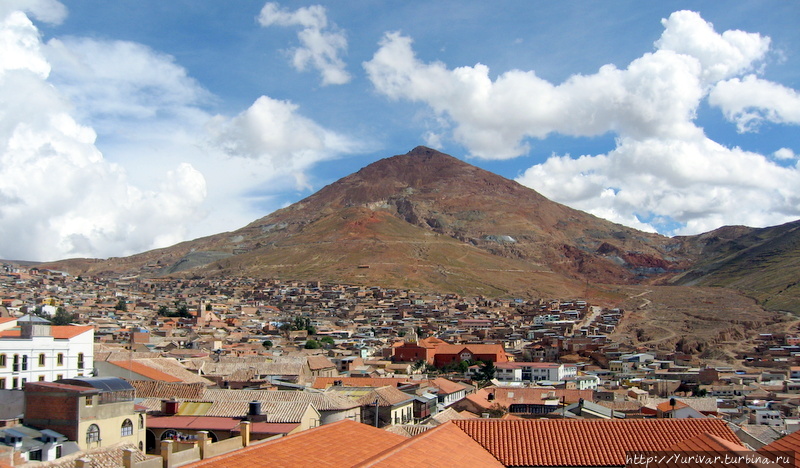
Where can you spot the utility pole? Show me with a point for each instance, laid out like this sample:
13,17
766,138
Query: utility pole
376,412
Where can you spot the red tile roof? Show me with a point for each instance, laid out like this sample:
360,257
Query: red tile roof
445,446
560,442
445,386
145,371
63,332
789,443
480,349
708,443
666,407
341,444
59,332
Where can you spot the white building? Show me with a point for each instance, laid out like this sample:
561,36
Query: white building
533,371
31,349
767,418
540,320
587,382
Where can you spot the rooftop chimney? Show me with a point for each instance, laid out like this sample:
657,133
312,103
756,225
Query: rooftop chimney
170,407
255,413
255,408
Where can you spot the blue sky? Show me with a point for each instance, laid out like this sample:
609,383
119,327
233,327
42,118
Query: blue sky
131,125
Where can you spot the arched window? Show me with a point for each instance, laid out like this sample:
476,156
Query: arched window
141,421
127,428
93,434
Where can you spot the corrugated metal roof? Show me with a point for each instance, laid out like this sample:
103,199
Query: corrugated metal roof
194,408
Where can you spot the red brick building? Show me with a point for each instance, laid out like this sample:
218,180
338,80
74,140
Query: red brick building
439,353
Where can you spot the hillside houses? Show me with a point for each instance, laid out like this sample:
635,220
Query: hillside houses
287,357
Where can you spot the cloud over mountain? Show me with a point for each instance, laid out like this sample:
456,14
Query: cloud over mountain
61,196
664,173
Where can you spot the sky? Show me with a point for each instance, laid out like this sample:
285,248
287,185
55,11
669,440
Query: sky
137,124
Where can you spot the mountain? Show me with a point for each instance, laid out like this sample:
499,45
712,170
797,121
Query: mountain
425,220
760,263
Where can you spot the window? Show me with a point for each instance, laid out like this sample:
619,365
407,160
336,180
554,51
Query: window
24,362
80,360
41,360
3,360
141,422
89,400
127,428
41,378
35,455
60,359
2,384
59,376
15,365
93,434
15,382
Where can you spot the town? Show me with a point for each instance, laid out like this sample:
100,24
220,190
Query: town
142,372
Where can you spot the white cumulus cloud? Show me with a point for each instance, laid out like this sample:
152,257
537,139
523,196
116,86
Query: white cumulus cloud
750,101
785,154
321,43
157,178
664,173
275,133
60,196
48,11
720,55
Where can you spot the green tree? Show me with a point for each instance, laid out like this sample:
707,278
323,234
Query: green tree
313,344
122,305
267,344
62,317
486,371
327,340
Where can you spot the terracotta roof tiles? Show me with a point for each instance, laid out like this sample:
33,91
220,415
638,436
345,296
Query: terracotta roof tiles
445,446
667,406
386,396
708,443
320,362
548,442
64,332
788,443
446,386
145,371
328,446
156,389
